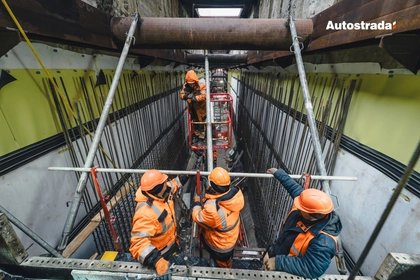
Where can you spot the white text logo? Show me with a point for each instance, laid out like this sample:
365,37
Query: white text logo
361,25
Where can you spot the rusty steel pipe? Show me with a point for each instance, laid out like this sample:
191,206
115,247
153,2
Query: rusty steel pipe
211,33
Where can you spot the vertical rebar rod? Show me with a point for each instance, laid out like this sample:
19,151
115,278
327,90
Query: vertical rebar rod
97,138
308,106
208,116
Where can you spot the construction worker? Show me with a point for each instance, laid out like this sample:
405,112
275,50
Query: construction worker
153,236
194,92
307,240
218,217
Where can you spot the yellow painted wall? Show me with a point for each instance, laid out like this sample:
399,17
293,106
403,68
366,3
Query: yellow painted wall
28,113
384,113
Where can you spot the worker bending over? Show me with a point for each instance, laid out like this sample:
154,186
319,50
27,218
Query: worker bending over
153,236
218,217
307,240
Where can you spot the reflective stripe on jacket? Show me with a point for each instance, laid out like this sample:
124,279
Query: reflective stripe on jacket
199,91
219,218
154,224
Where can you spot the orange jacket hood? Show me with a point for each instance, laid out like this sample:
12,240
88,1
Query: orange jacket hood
191,76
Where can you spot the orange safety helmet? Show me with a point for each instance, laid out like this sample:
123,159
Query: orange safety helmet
219,177
151,179
314,201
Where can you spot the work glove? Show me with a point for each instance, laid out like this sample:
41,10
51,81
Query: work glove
196,201
162,266
192,97
183,179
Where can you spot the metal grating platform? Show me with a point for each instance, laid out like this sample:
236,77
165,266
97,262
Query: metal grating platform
396,263
94,269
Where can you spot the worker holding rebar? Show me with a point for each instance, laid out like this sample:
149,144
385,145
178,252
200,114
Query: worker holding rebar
307,240
153,235
218,217
194,92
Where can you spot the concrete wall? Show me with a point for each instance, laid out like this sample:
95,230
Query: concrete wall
361,206
300,8
170,8
146,8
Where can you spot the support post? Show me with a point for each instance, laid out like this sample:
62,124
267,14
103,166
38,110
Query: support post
314,132
96,139
309,109
209,116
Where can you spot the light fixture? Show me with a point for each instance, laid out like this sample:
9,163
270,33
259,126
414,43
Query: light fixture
219,12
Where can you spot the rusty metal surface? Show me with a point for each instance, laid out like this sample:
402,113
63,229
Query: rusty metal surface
9,39
404,13
77,22
11,249
208,33
404,48
396,263
73,23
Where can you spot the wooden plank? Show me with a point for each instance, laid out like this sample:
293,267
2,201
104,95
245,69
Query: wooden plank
87,231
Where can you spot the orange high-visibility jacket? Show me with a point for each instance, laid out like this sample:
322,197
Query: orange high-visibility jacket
154,224
219,219
199,91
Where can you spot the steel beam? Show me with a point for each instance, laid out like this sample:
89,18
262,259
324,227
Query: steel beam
218,58
98,269
210,33
74,23
403,13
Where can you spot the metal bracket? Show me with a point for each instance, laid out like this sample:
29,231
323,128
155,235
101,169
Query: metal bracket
11,249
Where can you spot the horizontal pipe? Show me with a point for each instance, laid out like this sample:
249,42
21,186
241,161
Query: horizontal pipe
179,172
211,33
218,58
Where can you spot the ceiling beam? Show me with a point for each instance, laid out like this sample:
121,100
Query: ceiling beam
82,25
403,13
